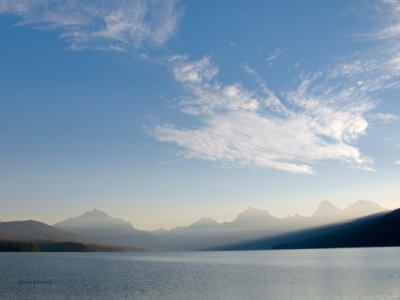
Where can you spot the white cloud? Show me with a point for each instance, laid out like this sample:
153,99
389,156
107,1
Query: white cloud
106,25
319,120
392,28
194,72
397,162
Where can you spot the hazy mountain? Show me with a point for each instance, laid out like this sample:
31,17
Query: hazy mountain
249,224
203,224
37,231
206,232
192,237
327,210
95,218
100,226
253,214
363,208
254,223
252,219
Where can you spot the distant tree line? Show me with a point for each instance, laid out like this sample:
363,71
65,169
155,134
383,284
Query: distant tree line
14,246
10,246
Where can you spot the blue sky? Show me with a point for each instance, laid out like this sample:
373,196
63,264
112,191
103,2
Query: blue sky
161,112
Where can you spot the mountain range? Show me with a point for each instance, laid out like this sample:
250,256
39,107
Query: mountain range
254,223
97,227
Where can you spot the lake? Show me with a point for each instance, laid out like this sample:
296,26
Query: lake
357,273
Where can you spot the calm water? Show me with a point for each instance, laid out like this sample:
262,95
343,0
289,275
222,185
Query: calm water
372,273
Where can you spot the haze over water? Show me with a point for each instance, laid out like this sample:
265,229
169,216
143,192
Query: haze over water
357,273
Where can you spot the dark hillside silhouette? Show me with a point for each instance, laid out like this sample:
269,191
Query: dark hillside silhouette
367,232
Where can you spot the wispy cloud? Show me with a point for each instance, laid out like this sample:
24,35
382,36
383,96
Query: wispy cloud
106,25
319,120
397,162
192,72
244,127
277,52
271,100
386,118
390,27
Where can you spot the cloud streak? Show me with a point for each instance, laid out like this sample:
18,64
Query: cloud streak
103,25
246,128
392,30
319,120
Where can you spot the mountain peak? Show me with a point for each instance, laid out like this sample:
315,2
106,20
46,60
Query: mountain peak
363,207
326,203
326,209
252,212
204,223
362,202
95,213
93,218
252,219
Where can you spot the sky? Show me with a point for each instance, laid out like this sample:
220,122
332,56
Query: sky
163,112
